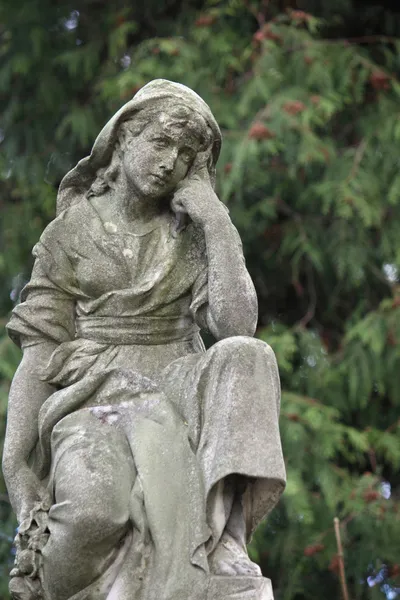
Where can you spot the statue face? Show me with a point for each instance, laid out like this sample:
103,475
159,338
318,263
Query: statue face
158,158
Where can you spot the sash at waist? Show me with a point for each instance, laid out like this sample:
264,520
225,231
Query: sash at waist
145,330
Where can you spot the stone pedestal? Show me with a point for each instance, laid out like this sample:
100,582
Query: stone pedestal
239,588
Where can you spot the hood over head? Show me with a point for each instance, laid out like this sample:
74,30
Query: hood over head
77,182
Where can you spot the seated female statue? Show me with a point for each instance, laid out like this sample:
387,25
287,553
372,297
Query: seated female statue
137,462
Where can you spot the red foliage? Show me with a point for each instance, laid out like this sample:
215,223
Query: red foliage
311,550
266,33
130,92
325,153
259,131
277,165
298,287
308,60
315,99
379,80
326,339
273,234
371,496
294,107
205,21
394,570
396,302
270,35
334,564
259,36
293,417
391,339
228,168
300,16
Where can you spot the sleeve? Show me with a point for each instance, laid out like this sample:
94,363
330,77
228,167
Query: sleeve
47,309
199,301
200,298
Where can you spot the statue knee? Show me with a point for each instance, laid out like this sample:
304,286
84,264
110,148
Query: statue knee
91,520
252,358
240,348
93,524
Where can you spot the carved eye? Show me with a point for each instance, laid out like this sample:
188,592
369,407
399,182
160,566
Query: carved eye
160,142
186,155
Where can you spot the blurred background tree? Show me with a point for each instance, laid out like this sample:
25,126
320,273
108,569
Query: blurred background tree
307,95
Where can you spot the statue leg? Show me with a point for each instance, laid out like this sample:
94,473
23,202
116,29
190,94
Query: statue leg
174,502
230,399
225,510
93,475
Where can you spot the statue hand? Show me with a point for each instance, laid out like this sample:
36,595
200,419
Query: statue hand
28,494
31,502
195,197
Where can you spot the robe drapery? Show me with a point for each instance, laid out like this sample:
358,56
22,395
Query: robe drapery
123,310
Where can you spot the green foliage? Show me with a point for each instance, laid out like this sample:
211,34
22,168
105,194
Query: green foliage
9,358
308,106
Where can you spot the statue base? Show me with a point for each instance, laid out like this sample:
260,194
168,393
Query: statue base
239,588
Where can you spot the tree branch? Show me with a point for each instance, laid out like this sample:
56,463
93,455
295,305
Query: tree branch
341,559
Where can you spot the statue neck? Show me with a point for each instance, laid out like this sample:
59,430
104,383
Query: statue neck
132,207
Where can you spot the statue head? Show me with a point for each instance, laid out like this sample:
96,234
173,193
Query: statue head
164,123
155,150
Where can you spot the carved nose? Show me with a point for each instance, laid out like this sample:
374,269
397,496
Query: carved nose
168,163
167,168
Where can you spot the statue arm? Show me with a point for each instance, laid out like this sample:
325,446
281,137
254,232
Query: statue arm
39,324
27,395
232,301
231,307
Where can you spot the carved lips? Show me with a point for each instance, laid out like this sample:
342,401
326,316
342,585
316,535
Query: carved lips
160,179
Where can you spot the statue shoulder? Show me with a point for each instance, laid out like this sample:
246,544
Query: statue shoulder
67,227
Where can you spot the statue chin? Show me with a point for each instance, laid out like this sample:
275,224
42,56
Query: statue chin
160,457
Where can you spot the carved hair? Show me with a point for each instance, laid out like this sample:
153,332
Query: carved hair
178,115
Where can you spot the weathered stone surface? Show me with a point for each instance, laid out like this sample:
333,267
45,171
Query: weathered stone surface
139,463
240,588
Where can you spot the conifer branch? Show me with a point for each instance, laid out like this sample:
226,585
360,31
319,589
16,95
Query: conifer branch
313,298
357,159
372,459
353,41
260,13
393,426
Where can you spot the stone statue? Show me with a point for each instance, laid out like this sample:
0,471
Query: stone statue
137,462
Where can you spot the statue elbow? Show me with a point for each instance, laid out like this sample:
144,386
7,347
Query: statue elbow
232,325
